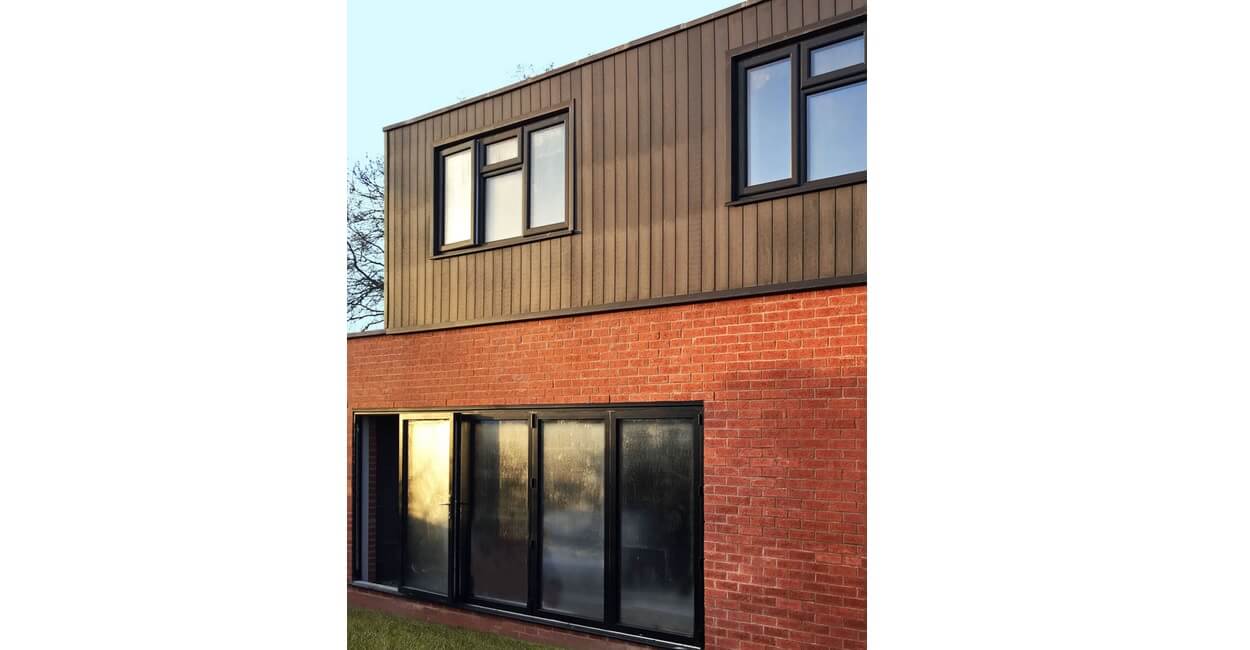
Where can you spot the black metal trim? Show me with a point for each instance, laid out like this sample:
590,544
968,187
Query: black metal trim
664,301
463,499
485,409
355,504
612,536
533,483
502,243
830,183
575,627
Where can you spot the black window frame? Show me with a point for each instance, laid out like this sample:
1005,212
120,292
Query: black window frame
440,162
466,497
527,131
520,129
458,595
798,50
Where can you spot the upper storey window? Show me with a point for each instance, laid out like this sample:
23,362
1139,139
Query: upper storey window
800,110
504,186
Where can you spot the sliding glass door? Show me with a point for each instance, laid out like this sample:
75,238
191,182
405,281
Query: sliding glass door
657,507
427,504
589,516
498,551
573,527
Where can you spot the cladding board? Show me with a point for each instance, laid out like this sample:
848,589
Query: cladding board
651,184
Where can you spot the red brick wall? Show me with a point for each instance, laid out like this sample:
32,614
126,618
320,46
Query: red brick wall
783,382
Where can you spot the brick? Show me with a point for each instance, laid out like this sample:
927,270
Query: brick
783,381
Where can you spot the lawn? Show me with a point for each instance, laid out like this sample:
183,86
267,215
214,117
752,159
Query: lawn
369,630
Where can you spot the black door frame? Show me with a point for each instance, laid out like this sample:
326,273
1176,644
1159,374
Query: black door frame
460,506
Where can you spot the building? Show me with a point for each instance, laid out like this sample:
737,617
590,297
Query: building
620,395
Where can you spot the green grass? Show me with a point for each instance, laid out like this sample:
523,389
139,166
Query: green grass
370,630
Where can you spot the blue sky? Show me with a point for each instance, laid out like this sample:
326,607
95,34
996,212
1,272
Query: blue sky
407,58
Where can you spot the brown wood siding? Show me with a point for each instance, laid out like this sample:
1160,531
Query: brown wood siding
651,183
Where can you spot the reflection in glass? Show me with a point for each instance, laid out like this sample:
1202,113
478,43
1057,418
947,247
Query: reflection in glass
502,150
503,206
768,122
837,140
657,535
499,535
572,513
457,196
837,56
429,491
547,176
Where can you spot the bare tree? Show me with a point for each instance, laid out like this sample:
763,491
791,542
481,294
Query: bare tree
366,183
366,196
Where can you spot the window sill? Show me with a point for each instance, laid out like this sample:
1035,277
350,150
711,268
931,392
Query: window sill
813,186
373,586
503,243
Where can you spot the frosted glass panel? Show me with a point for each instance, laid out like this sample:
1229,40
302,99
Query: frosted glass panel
768,122
429,491
502,150
837,56
547,176
503,206
837,140
499,536
573,496
657,534
457,196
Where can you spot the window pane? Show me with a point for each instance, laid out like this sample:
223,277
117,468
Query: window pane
503,206
573,475
657,533
502,150
768,122
499,535
838,55
836,131
429,491
457,196
547,176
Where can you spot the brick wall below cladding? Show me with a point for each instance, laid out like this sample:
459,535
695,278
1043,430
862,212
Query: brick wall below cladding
782,379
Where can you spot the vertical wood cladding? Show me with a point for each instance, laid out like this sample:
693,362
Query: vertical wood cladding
651,179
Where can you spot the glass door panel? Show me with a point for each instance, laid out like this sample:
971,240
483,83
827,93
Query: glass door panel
572,517
427,511
657,514
499,526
